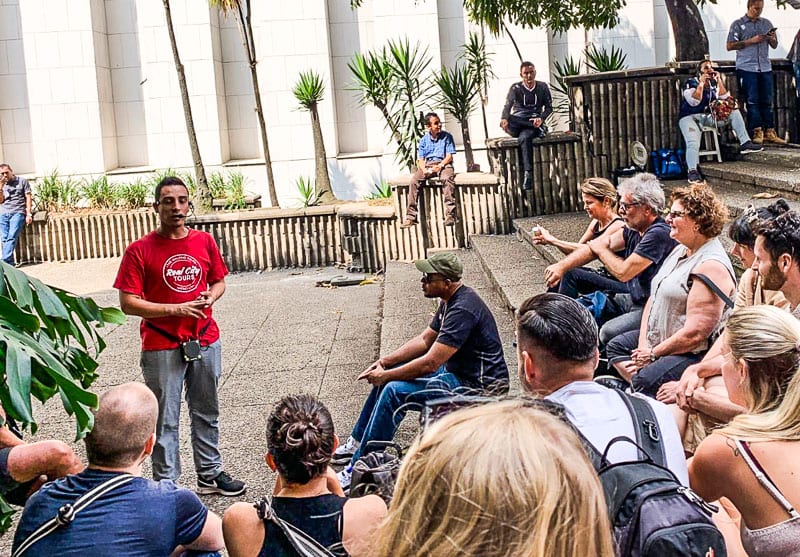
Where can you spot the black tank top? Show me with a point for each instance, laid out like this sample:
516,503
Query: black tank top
320,517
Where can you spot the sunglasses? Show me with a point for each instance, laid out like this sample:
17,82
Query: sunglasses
674,214
428,278
625,206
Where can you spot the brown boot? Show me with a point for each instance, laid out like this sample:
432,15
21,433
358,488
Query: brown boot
772,137
758,136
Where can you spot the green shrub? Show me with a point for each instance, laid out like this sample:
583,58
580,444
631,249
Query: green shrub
305,189
56,194
133,195
99,193
382,191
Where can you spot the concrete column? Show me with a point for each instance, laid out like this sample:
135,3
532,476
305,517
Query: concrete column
69,85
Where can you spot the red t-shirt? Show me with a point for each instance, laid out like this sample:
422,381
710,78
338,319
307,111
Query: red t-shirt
164,270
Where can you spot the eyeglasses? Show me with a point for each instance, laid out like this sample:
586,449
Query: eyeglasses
428,278
674,214
625,206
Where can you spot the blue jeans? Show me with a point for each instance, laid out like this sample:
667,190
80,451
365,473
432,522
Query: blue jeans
629,320
756,88
165,372
386,406
585,281
10,226
690,128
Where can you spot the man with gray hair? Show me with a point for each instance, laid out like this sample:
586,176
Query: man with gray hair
644,243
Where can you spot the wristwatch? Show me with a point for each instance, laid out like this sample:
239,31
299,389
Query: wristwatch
653,357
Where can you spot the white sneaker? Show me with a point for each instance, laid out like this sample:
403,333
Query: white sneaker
344,477
344,452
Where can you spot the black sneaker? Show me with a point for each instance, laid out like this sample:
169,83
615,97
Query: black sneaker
221,485
694,177
750,147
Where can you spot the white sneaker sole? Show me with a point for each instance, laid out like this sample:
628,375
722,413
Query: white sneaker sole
213,490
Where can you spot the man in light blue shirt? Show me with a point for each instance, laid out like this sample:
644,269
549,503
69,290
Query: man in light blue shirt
751,36
434,158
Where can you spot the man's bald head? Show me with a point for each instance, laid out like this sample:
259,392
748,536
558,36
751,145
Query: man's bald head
123,423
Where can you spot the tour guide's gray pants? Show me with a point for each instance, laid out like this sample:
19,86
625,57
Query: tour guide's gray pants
165,372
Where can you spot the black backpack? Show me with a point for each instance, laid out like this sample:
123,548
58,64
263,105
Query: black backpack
652,514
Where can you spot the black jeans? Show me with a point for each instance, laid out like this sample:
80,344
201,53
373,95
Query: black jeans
523,130
648,379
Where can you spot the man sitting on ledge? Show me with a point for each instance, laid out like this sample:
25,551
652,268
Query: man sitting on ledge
528,105
434,158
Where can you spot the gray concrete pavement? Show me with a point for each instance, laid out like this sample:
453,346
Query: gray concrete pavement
281,334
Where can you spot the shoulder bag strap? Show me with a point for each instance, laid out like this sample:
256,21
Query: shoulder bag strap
67,513
170,336
646,428
303,544
714,288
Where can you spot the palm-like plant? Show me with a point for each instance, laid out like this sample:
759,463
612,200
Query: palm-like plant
393,80
309,92
241,10
604,60
562,69
458,90
48,346
479,62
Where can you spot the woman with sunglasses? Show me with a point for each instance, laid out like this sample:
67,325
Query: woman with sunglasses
684,314
600,202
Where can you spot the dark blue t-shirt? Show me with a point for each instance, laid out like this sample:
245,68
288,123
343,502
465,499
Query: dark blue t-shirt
141,518
708,95
465,322
655,245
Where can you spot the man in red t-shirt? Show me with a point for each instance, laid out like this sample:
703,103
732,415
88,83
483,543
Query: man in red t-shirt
171,278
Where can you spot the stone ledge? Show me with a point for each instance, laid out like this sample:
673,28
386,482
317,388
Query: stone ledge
507,142
462,179
363,209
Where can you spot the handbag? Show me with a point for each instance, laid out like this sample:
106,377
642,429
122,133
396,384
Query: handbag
722,108
376,471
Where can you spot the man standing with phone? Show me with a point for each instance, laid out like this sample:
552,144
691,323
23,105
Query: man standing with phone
751,36
171,279
15,209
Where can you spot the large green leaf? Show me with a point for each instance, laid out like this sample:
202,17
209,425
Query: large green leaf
115,316
17,317
51,304
19,285
18,377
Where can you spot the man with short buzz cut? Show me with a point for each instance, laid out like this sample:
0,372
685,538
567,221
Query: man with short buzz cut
16,202
645,243
434,159
528,104
460,350
751,36
134,515
171,279
557,352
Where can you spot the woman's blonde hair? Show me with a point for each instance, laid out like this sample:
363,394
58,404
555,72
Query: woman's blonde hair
601,189
499,479
767,338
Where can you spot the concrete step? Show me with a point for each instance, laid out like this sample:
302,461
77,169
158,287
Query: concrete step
513,267
757,176
785,156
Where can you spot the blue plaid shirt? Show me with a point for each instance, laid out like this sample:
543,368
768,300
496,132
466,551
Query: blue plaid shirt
435,150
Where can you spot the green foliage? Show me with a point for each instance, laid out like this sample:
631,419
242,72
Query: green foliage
394,80
48,347
216,185
235,195
99,192
457,91
555,16
381,191
53,193
604,60
307,194
309,89
133,195
563,69
479,62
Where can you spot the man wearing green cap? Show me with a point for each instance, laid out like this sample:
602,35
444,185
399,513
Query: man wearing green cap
459,350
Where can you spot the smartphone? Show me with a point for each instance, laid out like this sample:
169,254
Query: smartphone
772,30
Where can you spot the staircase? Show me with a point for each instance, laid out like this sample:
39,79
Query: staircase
515,266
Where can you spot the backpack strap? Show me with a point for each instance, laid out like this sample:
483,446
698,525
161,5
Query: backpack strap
67,513
713,287
303,544
645,426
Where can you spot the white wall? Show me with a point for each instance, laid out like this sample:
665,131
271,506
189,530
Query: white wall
90,85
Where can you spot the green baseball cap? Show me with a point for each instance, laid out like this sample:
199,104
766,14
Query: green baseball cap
445,263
